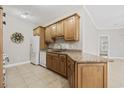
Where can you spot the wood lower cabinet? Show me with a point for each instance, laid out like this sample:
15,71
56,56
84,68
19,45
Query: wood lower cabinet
79,74
63,65
71,72
1,47
57,63
52,61
49,61
86,75
92,75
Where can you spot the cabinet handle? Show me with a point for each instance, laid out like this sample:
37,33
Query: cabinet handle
4,22
4,14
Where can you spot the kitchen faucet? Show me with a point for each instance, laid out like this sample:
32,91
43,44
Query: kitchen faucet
60,46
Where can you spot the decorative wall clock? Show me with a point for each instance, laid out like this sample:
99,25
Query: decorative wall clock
17,38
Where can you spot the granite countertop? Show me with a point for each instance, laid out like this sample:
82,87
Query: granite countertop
77,56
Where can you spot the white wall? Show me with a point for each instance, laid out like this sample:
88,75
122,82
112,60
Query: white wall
115,74
17,52
90,35
116,42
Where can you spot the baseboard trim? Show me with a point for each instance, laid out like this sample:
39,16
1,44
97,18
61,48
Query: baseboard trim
16,64
42,66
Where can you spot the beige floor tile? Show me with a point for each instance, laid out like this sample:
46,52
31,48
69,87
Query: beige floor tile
12,72
17,86
16,83
37,85
33,76
27,75
30,80
23,71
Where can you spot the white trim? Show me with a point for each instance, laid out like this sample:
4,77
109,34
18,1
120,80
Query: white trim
16,64
109,28
116,57
90,16
97,27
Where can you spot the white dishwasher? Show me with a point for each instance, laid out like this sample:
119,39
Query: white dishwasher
43,58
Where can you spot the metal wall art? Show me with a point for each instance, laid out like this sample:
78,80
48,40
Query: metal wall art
17,38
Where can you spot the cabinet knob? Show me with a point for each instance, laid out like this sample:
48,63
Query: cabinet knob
4,14
4,22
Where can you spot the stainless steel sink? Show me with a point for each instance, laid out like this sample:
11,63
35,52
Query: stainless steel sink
59,50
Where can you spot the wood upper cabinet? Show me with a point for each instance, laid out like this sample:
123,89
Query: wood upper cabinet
60,29
71,28
53,29
63,65
36,32
67,28
71,72
92,75
1,47
48,35
43,44
40,31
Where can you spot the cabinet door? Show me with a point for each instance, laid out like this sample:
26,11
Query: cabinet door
92,75
63,65
49,61
71,28
1,49
60,31
46,34
40,31
55,62
53,31
48,37
42,38
36,32
70,72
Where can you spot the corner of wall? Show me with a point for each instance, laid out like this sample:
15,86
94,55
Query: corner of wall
90,16
90,33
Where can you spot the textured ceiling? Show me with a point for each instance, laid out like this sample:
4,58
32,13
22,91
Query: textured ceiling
42,14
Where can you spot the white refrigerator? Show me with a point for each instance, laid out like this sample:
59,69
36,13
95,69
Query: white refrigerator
35,50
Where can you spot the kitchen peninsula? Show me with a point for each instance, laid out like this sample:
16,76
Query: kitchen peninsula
81,70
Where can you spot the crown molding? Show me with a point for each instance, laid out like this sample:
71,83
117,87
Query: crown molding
90,16
96,26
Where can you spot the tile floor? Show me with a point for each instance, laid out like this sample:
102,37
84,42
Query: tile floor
31,76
